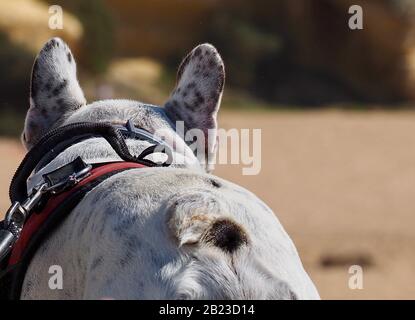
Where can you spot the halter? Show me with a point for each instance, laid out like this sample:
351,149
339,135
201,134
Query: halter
36,212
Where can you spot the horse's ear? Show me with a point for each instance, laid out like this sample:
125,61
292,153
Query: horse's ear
197,96
54,90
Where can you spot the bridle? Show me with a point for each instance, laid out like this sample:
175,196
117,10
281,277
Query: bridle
57,192
57,140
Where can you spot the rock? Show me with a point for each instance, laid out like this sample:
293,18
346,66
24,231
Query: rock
25,22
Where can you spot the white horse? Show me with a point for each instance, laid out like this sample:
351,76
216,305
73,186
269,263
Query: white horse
155,233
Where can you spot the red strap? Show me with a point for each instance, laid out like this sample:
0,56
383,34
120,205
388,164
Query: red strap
35,220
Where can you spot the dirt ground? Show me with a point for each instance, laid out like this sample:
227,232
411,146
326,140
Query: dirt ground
341,183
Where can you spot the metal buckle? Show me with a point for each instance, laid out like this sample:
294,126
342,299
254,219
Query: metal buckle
17,214
69,181
66,176
131,131
141,134
15,219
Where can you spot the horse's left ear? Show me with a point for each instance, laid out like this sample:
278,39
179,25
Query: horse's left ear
197,96
54,90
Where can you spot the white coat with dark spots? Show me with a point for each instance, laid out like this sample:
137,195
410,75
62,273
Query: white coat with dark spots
156,233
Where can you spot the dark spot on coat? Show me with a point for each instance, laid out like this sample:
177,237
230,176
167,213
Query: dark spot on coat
69,57
44,112
48,46
198,51
172,112
292,295
125,224
48,85
97,262
226,235
188,106
33,126
61,103
191,85
126,258
214,95
58,89
211,62
199,97
189,121
133,243
215,183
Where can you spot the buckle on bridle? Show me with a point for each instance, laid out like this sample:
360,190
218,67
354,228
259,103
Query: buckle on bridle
67,176
54,182
129,130
15,218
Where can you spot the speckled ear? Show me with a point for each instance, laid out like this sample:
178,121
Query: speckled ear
197,96
54,90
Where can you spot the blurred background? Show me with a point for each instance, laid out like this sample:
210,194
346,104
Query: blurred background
335,105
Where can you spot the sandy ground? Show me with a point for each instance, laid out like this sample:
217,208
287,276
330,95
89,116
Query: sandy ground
343,186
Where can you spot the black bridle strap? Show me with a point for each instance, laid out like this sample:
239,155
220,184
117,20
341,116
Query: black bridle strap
112,134
12,277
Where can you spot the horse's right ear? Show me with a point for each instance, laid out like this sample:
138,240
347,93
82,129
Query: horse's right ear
54,90
197,96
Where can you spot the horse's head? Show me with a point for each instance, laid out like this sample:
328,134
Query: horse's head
56,98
